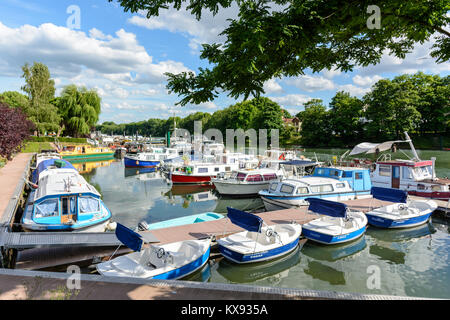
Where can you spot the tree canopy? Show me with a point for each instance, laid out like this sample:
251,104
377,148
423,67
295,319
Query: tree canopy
284,38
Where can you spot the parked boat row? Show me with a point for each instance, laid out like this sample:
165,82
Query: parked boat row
335,224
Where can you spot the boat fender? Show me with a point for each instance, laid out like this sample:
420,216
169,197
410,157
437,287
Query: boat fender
143,226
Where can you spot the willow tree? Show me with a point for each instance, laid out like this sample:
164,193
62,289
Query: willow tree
275,38
79,108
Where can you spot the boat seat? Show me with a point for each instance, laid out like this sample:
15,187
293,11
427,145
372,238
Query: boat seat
177,257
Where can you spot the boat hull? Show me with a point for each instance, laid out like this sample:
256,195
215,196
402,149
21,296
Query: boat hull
275,253
210,216
324,238
134,163
381,222
190,179
91,156
241,189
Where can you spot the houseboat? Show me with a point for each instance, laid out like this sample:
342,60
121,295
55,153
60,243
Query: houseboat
335,184
86,152
64,201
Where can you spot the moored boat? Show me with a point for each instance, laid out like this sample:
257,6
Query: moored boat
169,261
85,152
403,213
258,243
64,201
336,224
338,184
188,220
246,182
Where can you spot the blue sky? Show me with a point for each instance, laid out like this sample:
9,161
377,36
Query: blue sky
124,57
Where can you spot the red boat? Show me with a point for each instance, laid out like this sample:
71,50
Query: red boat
200,173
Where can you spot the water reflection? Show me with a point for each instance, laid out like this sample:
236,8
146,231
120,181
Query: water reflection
324,272
273,271
202,275
398,235
333,252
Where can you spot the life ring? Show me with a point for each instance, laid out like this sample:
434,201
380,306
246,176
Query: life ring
282,157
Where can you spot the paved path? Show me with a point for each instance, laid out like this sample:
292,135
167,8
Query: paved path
10,176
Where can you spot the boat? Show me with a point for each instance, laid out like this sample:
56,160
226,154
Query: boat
188,220
170,261
403,213
332,183
150,159
246,182
336,224
200,173
62,200
258,243
414,175
46,155
85,152
50,163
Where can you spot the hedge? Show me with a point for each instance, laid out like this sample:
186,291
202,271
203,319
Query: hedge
60,139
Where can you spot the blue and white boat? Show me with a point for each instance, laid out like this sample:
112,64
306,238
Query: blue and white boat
150,159
403,213
168,262
192,219
336,223
62,200
258,243
336,184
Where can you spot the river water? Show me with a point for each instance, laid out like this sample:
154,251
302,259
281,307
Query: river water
410,262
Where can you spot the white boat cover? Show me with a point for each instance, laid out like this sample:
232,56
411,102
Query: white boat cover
367,147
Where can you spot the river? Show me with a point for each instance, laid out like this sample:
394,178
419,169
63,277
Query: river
411,262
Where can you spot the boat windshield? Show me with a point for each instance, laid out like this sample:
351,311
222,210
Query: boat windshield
286,188
423,172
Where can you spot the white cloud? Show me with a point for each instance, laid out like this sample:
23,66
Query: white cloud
291,100
353,90
366,81
311,83
272,86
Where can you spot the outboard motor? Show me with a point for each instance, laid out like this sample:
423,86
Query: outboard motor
143,226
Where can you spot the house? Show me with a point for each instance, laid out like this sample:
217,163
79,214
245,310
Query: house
295,122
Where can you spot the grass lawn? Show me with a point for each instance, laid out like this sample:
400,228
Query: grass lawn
30,147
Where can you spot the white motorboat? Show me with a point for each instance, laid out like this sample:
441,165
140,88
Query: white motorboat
169,261
336,224
403,213
258,243
246,182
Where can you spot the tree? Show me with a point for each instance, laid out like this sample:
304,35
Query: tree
14,129
270,115
315,128
391,108
284,38
41,90
346,117
79,109
16,100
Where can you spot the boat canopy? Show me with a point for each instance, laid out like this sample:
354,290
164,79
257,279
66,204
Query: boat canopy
245,220
44,165
367,147
300,163
388,194
129,238
328,208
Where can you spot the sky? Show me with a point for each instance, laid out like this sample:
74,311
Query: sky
95,44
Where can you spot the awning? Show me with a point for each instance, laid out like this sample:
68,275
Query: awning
245,220
388,194
328,208
367,147
129,238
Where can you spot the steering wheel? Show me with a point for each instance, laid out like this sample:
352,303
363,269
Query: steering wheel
269,233
402,207
160,253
